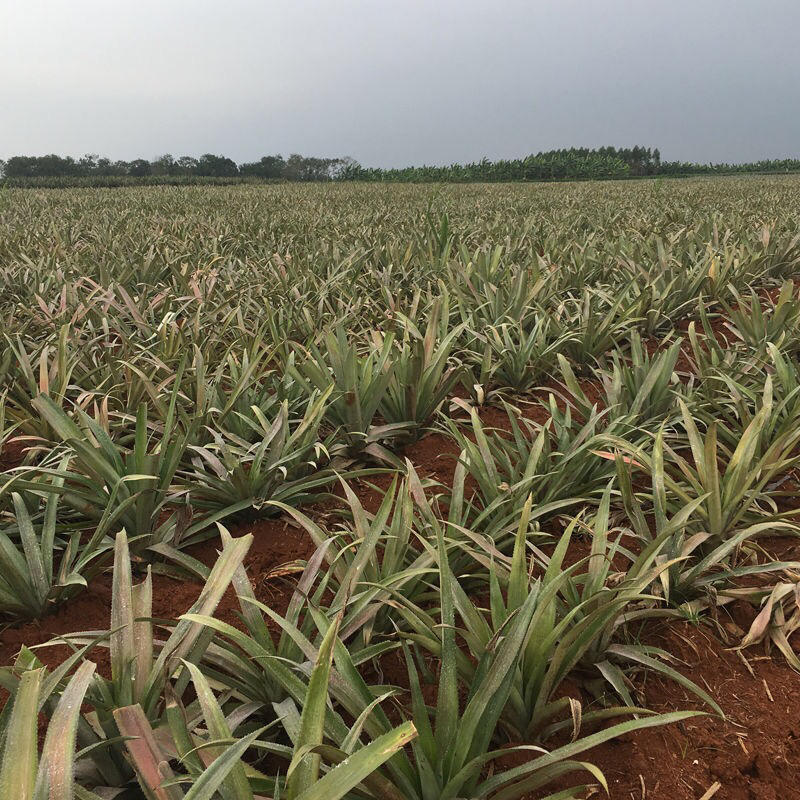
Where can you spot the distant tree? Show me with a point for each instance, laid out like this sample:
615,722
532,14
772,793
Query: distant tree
17,167
107,167
310,168
186,165
163,165
267,167
87,165
139,167
295,167
342,167
39,166
216,166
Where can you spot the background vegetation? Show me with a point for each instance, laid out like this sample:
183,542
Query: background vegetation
555,165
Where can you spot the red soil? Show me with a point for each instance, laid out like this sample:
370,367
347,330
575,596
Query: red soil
276,543
754,754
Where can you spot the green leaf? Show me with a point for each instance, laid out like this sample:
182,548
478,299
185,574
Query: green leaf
20,757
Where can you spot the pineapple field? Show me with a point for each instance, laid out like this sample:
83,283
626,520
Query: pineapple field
401,492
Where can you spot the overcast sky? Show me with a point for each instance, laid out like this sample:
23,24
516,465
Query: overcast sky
397,82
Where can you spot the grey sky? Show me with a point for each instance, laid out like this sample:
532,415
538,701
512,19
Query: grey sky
394,82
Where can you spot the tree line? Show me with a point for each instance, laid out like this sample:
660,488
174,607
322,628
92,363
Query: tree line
575,163
293,168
